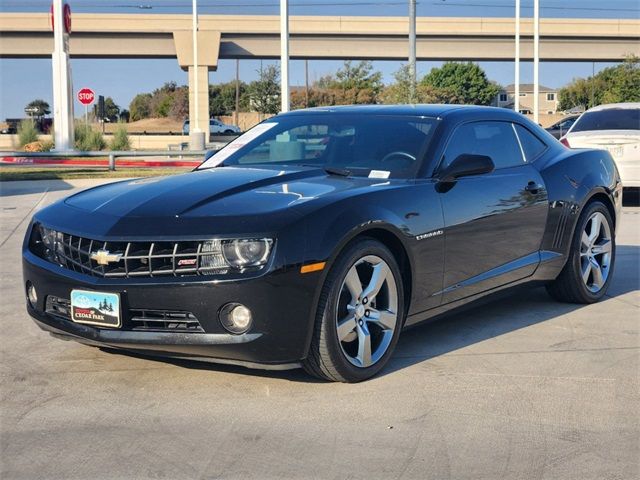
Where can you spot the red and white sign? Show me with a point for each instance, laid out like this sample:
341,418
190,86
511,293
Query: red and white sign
86,96
66,16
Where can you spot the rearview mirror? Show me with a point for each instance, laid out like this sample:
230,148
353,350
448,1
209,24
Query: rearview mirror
465,165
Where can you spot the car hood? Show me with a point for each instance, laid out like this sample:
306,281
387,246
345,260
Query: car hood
218,191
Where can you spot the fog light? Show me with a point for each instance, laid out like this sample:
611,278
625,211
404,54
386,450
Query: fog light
32,295
235,318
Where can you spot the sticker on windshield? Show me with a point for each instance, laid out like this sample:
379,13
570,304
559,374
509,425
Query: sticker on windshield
238,143
379,174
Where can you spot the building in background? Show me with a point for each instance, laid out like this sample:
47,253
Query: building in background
548,98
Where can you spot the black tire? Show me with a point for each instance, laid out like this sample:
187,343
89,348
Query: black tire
569,286
326,358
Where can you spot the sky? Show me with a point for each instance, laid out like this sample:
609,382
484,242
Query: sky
22,80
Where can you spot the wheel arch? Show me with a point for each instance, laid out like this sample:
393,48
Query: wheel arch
601,196
383,233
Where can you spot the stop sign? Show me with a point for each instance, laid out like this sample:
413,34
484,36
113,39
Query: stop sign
86,96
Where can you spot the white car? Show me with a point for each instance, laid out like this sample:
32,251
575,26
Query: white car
616,128
215,127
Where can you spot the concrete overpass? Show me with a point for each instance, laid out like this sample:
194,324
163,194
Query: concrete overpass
28,35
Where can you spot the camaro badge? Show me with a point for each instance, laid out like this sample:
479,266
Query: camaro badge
103,257
429,235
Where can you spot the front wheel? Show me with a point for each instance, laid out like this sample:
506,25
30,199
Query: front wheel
360,314
586,276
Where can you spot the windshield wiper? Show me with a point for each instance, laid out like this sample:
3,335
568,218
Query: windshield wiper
343,172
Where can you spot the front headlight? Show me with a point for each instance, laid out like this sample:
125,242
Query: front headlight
48,243
237,253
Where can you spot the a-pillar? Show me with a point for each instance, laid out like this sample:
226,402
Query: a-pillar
202,91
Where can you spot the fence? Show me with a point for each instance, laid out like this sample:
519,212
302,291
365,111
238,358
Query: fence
112,155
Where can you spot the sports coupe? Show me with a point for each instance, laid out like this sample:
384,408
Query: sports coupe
316,237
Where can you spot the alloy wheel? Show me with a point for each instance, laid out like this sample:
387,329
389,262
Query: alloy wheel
595,252
367,311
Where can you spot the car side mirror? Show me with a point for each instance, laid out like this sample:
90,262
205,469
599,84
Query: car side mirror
466,165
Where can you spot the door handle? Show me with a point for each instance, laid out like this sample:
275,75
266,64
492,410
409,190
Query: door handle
533,187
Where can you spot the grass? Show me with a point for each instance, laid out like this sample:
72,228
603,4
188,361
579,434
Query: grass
8,174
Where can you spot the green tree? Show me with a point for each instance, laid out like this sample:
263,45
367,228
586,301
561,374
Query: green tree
111,110
620,83
222,98
38,108
140,107
354,83
180,107
464,83
264,93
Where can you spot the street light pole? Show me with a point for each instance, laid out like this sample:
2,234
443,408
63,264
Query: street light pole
536,60
62,80
196,135
516,101
284,55
412,51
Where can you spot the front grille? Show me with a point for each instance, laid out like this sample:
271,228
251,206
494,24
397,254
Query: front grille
141,259
138,319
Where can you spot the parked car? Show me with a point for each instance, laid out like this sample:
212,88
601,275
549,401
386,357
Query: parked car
561,127
317,236
215,127
615,128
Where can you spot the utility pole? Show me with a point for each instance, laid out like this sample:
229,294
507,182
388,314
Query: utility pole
62,85
306,83
536,61
196,136
412,51
284,55
237,119
516,101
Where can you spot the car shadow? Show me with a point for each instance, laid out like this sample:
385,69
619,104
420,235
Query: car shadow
29,187
455,331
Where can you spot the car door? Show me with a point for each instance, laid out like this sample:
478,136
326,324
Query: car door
214,127
494,222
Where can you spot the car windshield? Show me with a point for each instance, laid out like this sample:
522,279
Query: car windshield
610,119
381,146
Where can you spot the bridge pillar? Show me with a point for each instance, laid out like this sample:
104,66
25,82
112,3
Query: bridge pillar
202,91
208,50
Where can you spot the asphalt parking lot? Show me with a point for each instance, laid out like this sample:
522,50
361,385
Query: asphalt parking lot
524,388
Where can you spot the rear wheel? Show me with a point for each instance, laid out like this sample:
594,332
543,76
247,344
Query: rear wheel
586,276
360,314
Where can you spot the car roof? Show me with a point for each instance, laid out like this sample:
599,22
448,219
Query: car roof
611,106
426,110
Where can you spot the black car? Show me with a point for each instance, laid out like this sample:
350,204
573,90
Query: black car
561,127
316,237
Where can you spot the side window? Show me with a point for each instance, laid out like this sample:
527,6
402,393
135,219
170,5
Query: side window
494,139
532,146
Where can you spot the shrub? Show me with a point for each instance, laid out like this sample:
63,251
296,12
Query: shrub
120,139
88,139
47,145
27,132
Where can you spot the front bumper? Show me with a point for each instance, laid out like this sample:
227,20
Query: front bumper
282,303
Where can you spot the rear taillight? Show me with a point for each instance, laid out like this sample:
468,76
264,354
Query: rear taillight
565,142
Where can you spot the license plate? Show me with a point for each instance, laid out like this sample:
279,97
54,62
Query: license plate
95,308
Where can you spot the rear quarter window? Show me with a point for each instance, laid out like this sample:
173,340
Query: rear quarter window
532,146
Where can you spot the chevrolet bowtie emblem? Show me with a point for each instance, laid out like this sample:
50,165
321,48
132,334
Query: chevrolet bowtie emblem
103,257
